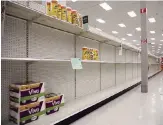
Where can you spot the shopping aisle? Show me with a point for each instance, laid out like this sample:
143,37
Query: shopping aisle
133,108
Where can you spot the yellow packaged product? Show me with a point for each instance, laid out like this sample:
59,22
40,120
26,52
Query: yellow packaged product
91,53
48,8
59,12
84,53
54,8
74,17
80,20
64,13
94,54
97,54
69,15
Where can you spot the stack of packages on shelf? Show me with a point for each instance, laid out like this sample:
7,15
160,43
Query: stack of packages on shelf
90,53
27,102
53,102
64,13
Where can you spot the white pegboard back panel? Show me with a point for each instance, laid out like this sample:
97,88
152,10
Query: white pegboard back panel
129,72
129,56
135,71
107,75
120,74
11,72
58,77
45,42
14,40
120,58
134,57
85,42
37,6
107,52
88,79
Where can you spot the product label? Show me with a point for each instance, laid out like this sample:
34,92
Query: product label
31,90
30,109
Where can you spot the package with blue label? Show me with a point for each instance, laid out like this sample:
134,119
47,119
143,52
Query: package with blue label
27,113
26,93
53,102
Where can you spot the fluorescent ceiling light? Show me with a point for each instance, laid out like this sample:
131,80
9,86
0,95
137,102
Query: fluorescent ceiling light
123,39
159,47
153,46
105,6
160,44
152,32
152,38
131,14
98,29
129,34
151,20
153,43
100,20
137,44
161,40
121,25
114,32
138,29
134,40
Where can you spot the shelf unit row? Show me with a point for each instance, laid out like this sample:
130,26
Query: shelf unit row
29,11
60,60
32,36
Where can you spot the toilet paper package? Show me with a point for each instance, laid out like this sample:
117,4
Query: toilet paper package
21,115
53,102
26,93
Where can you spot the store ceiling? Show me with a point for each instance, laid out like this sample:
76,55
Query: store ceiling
118,14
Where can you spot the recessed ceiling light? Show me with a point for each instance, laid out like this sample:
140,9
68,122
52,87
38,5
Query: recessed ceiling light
123,39
100,20
98,29
152,43
131,14
151,20
137,44
152,32
105,6
134,40
138,29
159,47
152,38
121,25
114,32
162,34
129,34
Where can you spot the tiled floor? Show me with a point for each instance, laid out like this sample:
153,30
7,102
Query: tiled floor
133,108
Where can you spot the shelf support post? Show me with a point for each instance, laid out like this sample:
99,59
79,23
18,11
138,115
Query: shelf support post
144,46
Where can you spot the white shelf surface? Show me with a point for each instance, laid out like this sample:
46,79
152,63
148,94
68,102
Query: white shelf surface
27,13
59,60
78,105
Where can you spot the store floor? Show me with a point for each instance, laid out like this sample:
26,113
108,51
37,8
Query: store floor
132,108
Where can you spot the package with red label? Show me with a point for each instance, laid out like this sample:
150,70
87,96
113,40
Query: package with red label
53,102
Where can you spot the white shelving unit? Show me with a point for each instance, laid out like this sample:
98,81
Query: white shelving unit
32,36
